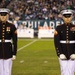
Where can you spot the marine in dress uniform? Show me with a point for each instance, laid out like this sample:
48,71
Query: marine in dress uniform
64,40
8,43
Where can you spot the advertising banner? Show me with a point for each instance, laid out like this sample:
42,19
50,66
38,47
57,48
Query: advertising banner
34,24
45,28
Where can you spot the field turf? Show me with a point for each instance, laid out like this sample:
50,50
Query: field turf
36,57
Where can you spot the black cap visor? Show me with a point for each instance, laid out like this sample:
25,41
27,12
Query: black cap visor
3,13
67,15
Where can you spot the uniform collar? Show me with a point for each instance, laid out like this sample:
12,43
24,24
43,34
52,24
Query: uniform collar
3,22
67,23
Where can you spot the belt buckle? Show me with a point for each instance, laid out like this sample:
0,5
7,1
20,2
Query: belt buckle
67,41
3,40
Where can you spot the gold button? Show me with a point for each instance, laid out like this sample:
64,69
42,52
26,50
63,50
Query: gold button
67,31
67,36
3,30
3,24
3,36
3,33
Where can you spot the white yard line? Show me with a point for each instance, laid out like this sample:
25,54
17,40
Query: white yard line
26,45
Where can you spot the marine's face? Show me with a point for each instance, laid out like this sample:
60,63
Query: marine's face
3,17
67,19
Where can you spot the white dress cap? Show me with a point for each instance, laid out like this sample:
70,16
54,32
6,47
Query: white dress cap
4,10
68,11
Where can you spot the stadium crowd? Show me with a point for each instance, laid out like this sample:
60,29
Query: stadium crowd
37,9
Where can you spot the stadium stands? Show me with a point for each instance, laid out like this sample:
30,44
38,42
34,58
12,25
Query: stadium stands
37,9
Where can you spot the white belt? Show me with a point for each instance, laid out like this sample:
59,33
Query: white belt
67,41
6,41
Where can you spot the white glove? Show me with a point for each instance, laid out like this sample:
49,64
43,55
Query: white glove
62,57
72,56
13,57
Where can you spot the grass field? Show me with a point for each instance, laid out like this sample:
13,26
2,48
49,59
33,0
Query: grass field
36,57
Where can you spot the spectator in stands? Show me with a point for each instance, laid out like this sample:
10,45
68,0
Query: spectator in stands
30,9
